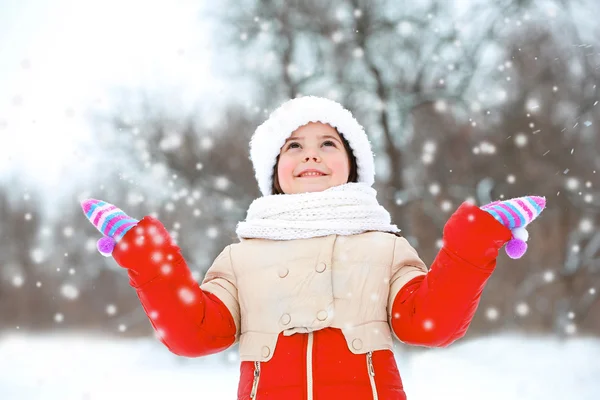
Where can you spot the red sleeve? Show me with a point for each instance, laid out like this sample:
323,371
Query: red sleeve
188,320
436,309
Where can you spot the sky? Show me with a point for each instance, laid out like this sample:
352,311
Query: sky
61,58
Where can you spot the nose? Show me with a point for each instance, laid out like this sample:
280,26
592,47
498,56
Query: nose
312,154
315,158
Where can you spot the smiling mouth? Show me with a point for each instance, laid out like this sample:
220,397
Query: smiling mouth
312,175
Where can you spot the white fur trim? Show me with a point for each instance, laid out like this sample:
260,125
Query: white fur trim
270,136
521,233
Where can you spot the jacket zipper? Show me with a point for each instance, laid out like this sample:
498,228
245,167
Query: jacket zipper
309,377
256,379
371,371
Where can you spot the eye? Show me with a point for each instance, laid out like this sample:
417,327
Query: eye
292,144
330,142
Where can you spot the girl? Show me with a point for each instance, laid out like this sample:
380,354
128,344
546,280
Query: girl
320,280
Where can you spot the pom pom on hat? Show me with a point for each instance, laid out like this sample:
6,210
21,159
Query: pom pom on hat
106,246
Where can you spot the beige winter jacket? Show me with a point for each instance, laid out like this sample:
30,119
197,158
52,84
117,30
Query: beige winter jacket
345,282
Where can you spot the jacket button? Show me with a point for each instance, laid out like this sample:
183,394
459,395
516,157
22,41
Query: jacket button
266,351
283,271
321,267
322,315
357,344
285,319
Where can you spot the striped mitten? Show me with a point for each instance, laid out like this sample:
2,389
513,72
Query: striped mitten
516,214
111,221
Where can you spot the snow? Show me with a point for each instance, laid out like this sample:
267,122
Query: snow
492,368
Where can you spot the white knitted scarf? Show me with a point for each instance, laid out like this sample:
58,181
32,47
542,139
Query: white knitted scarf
347,209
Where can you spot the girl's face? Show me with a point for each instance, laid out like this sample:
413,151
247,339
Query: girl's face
315,147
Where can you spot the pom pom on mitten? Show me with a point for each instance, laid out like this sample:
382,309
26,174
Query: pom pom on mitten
516,214
111,221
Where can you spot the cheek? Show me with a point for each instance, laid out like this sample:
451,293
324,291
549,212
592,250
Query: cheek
340,166
286,167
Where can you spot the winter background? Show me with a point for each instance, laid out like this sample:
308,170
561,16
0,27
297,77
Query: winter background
150,105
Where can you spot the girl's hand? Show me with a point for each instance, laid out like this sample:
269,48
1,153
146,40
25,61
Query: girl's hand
516,214
111,221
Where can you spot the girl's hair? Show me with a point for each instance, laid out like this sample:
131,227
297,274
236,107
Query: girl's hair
352,176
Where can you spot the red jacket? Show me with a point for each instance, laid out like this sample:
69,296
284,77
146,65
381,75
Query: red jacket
319,365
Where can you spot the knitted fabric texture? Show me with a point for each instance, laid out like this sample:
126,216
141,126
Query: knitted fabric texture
347,209
111,221
518,212
270,136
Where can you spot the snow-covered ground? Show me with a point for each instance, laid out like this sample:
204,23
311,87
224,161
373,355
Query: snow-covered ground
492,368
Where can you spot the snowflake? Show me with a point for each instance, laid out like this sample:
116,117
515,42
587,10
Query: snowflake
58,317
510,179
68,231
232,357
428,324
427,158
28,217
228,204
206,143
434,189
549,276
17,281
111,309
446,205
522,309
186,295
404,28
586,225
572,183
429,146
485,148
570,329
157,256
358,52
222,183
212,232
37,255
492,314
170,142
520,140
122,328
501,94
337,36
69,291
440,106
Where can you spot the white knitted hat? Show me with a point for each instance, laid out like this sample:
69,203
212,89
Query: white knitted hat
270,136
